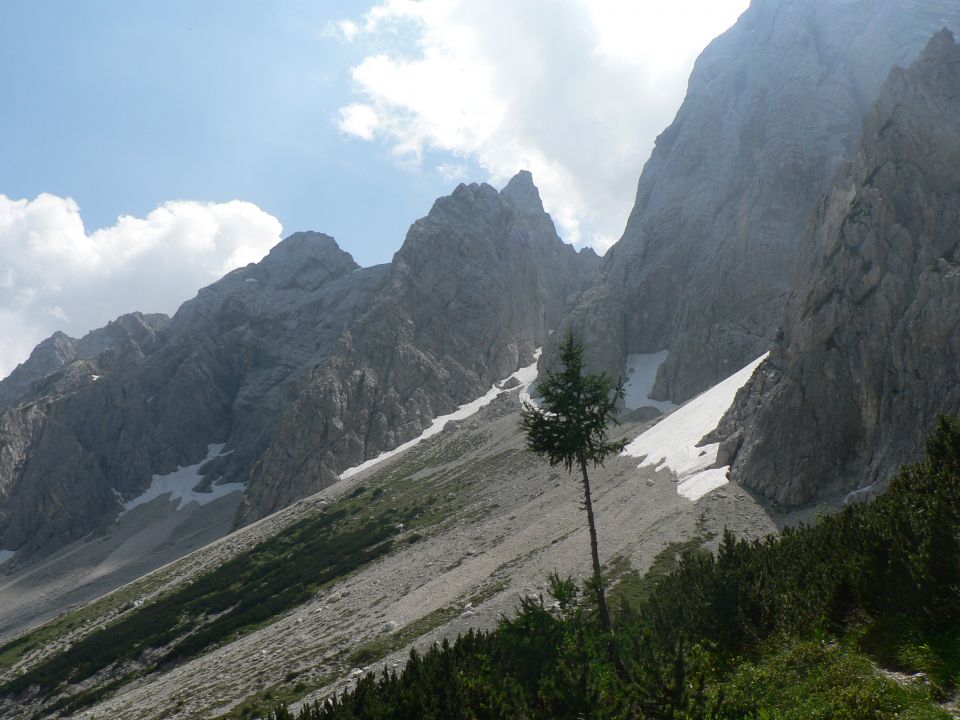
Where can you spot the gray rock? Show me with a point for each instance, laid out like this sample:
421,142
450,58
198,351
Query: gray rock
870,347
303,354
773,107
470,295
126,340
221,370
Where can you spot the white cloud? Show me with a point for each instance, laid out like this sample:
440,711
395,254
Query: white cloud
359,120
56,276
576,92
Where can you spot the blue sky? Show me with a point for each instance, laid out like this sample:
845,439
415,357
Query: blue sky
125,105
149,147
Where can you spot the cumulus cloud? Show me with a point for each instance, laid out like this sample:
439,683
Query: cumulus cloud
576,92
54,275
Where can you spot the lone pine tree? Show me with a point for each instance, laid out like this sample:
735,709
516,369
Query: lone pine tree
570,428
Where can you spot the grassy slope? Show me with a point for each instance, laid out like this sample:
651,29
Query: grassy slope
789,627
244,593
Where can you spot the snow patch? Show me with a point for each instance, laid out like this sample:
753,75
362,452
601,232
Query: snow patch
525,375
641,374
180,483
6,555
672,442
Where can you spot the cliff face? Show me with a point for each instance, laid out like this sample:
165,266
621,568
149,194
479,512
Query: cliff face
146,394
773,107
476,287
870,347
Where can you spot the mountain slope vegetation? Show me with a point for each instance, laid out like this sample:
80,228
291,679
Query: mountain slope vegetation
785,627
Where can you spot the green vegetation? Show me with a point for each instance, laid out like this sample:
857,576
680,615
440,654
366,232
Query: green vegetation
117,642
379,647
260,704
77,621
631,588
571,430
236,598
811,680
784,628
233,599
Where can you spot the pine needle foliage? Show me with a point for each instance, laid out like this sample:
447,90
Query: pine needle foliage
570,428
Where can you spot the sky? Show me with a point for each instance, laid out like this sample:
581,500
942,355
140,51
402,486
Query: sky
148,148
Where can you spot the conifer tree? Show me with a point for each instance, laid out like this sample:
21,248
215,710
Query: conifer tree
570,428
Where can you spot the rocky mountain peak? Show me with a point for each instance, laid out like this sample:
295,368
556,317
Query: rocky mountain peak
941,49
310,244
307,259
522,194
774,108
474,290
125,340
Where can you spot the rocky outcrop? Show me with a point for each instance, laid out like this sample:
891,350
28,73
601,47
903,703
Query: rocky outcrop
773,107
476,287
870,346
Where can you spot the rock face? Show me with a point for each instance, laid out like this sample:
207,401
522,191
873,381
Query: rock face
38,491
870,347
474,290
126,340
130,402
773,107
302,365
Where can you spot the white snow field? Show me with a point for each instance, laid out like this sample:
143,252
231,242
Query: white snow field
180,483
641,373
672,442
525,375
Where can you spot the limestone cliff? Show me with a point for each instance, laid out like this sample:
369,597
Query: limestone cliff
125,403
301,365
869,352
774,106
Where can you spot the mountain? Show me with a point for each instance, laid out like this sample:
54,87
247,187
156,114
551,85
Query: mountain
442,538
796,186
870,343
233,379
126,340
130,402
773,107
475,289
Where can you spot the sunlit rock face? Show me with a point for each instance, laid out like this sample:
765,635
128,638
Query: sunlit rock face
774,107
870,348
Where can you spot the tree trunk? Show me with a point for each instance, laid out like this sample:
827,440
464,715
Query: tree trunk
597,578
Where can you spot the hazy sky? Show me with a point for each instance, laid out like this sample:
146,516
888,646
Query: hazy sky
149,147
